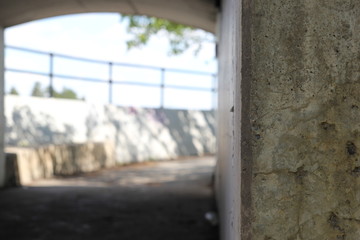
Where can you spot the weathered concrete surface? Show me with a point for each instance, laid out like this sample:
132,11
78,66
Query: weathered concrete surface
197,13
139,134
60,160
156,201
292,74
305,119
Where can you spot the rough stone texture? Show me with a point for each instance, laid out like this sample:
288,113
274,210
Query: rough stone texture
61,160
304,111
139,134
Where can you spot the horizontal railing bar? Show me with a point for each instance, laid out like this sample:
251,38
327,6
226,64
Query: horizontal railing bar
26,71
27,50
115,82
85,79
137,83
185,71
165,86
189,88
80,59
132,65
57,75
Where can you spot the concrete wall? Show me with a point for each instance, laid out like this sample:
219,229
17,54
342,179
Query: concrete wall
228,166
293,71
305,119
138,134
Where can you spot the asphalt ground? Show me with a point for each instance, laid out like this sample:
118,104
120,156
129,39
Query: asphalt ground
153,201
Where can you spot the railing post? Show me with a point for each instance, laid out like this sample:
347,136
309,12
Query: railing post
51,75
162,88
110,83
214,93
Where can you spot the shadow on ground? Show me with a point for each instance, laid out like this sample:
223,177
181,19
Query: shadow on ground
156,201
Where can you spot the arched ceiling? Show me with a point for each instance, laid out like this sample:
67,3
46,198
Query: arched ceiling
196,13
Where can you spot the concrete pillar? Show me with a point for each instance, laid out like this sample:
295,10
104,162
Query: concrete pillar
228,165
2,115
292,73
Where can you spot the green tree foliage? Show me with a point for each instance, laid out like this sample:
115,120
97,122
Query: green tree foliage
181,37
13,91
37,90
66,93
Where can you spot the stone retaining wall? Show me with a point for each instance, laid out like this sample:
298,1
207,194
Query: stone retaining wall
25,165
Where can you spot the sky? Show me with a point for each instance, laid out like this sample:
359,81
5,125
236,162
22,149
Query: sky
103,36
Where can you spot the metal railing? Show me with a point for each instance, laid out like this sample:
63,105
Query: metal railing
109,79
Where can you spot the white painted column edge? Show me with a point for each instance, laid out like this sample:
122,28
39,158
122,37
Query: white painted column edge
2,112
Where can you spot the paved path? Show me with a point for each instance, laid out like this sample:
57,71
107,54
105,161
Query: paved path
153,201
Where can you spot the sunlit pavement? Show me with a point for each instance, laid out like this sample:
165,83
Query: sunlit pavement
166,200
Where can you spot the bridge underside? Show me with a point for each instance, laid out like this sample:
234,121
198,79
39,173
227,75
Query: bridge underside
196,13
